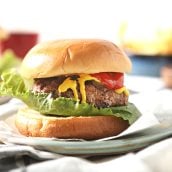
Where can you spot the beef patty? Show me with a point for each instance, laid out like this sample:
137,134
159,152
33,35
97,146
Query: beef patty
96,93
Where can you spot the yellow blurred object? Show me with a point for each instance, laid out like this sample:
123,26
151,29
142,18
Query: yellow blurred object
146,38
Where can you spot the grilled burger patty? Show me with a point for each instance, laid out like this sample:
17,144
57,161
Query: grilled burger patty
96,93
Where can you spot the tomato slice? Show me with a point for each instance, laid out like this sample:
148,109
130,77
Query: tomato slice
112,80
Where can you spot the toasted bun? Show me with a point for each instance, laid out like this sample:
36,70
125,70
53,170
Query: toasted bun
32,123
74,56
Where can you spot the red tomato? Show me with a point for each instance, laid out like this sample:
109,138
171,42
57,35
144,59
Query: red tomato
112,80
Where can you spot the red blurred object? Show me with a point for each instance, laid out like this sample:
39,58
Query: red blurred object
0,48
19,42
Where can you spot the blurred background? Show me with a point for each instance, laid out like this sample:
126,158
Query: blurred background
143,29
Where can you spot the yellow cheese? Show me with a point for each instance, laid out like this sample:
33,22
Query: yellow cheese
122,90
69,84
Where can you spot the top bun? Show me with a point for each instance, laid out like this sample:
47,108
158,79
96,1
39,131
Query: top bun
63,57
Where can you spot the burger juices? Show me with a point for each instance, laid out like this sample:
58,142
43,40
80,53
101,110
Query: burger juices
72,89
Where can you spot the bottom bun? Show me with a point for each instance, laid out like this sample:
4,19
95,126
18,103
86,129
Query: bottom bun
32,123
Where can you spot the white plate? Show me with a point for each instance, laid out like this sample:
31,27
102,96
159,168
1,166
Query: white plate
121,145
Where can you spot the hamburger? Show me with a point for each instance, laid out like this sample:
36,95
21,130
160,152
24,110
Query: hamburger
72,89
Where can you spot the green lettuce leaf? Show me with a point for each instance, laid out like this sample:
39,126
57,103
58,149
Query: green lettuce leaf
13,84
8,60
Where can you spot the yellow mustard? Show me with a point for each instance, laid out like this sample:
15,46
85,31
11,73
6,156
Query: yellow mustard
72,84
82,79
121,90
69,84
